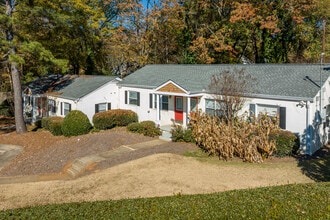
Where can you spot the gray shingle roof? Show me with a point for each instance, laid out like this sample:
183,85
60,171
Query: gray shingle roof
272,80
83,85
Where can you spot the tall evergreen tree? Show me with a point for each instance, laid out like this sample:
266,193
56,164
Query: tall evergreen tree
9,8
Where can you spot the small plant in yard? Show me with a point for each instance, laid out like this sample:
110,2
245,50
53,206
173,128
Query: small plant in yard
75,123
286,143
147,128
55,125
45,122
52,124
179,134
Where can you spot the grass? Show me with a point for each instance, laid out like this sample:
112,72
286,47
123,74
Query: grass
298,201
301,201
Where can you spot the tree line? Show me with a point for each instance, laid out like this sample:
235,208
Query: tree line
119,36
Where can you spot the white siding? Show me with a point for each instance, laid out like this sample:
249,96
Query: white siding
108,93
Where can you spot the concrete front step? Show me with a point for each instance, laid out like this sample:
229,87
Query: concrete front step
166,133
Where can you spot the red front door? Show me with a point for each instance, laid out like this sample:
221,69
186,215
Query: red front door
178,105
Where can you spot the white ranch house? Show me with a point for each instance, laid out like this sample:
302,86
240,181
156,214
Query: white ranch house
61,94
167,93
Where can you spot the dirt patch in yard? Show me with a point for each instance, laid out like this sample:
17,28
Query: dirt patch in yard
158,171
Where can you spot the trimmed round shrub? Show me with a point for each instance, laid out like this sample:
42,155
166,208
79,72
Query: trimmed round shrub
75,123
113,118
286,143
147,128
55,125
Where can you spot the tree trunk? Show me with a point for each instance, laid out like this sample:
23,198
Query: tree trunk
18,103
19,119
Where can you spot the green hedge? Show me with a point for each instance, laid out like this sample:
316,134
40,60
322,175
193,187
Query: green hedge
113,118
147,128
75,123
287,143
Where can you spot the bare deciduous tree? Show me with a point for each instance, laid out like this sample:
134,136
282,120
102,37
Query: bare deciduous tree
229,88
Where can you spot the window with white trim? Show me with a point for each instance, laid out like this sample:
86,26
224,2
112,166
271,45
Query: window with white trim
51,106
193,104
164,102
132,98
271,111
213,107
66,108
102,107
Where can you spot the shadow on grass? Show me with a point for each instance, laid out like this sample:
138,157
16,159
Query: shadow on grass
317,166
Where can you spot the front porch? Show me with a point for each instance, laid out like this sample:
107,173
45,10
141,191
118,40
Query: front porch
174,104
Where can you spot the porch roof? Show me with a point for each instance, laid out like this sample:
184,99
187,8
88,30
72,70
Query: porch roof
282,81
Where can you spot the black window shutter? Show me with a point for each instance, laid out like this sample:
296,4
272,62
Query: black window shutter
69,107
109,106
125,97
252,111
138,99
61,108
283,117
96,108
54,107
150,100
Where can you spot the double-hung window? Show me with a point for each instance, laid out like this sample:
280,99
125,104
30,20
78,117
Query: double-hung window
164,102
65,108
213,107
270,111
152,100
52,106
132,98
193,104
102,107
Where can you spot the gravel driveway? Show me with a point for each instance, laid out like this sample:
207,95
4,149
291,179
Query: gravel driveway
44,153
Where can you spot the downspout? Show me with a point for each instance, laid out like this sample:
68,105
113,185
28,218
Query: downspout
308,127
158,109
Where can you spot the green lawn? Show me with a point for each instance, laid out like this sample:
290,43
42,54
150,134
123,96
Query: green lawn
302,201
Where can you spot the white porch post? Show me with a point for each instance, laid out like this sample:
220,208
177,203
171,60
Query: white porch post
188,112
158,109
34,111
